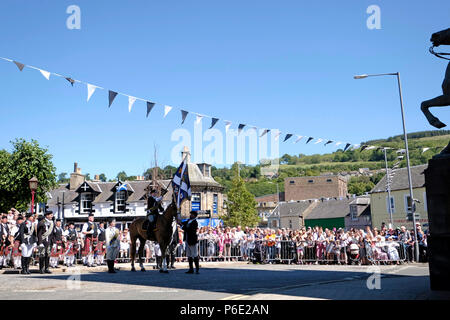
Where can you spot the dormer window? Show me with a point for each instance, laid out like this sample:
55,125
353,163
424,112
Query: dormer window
121,197
86,202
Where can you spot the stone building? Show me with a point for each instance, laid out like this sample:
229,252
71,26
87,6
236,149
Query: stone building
304,188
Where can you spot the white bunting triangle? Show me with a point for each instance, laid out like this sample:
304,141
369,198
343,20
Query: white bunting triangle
46,74
167,110
227,125
277,135
338,143
318,141
198,119
298,138
131,101
91,88
425,149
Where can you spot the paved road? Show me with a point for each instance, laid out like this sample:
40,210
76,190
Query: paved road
225,281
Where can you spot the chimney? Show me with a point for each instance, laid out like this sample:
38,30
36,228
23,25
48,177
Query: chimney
76,178
186,154
96,178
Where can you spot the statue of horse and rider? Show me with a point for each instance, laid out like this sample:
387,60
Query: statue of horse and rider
439,38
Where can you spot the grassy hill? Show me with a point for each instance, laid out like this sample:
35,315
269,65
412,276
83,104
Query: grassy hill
339,161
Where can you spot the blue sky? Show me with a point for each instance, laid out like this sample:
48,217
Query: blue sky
283,64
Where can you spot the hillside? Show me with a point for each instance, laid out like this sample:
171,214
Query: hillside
340,161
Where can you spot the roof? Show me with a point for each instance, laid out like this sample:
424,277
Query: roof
400,179
362,200
293,208
332,208
196,177
136,191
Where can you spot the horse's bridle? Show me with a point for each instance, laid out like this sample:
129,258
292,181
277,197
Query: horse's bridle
439,54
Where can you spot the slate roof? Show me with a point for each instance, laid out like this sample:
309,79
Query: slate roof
400,179
289,209
330,209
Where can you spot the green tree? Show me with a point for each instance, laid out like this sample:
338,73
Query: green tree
122,176
26,160
62,178
102,177
241,205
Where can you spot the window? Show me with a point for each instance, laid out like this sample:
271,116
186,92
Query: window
86,202
408,204
329,180
310,181
353,212
290,224
195,201
292,182
121,197
392,205
215,202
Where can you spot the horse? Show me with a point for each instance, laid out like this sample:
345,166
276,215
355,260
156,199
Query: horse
162,235
438,38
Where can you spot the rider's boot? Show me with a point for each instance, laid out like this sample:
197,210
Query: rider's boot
197,265
191,265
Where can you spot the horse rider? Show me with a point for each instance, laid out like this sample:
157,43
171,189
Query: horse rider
27,242
153,208
190,236
45,235
112,245
90,232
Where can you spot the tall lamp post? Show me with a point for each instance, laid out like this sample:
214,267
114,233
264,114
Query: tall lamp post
33,182
363,76
388,186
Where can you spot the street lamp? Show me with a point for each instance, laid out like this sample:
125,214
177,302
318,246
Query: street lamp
388,185
363,76
33,182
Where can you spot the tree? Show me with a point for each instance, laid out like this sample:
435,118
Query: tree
62,178
102,177
26,160
241,205
122,176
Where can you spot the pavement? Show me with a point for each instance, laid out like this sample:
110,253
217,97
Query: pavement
226,281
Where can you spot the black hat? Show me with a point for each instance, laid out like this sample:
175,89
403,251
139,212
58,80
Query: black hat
4,217
20,217
90,215
58,220
29,214
47,212
71,223
195,213
152,190
112,220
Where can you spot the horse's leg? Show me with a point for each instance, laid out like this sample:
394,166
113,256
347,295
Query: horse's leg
440,101
163,257
141,252
133,251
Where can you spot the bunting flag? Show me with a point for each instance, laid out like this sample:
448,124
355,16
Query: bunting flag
338,143
318,141
150,106
198,119
370,147
277,135
309,139
227,125
346,146
328,142
264,132
167,110
213,122
364,147
112,95
91,88
70,80
425,149
131,101
19,65
287,137
183,115
298,138
46,74
240,127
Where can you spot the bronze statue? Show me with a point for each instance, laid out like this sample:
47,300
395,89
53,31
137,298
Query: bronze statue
439,38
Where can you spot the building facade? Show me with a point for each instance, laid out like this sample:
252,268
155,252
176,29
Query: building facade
304,188
400,199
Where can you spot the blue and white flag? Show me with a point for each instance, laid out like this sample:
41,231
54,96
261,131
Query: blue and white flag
180,183
122,187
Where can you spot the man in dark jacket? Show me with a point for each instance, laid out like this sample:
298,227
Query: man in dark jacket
190,237
27,235
45,235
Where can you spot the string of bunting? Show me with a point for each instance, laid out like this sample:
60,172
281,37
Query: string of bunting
91,88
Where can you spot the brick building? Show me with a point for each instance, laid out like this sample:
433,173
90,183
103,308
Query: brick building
304,188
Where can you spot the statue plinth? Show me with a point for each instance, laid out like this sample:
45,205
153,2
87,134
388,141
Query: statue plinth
437,184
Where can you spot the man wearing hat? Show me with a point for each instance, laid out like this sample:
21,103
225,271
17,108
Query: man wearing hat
71,244
112,245
45,235
58,246
153,208
16,256
90,233
190,236
100,249
27,241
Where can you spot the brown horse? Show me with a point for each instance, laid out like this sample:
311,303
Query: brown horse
162,235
